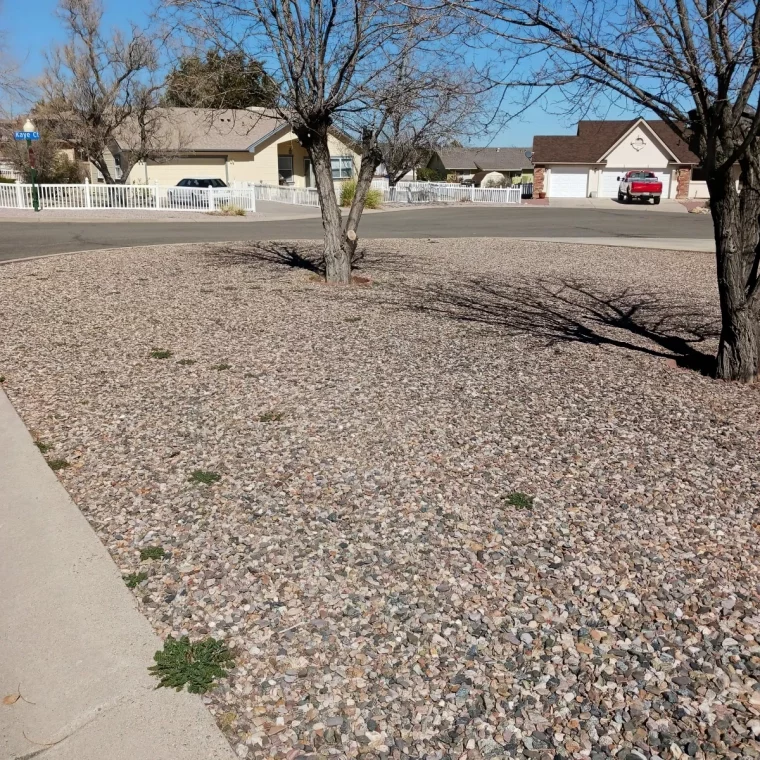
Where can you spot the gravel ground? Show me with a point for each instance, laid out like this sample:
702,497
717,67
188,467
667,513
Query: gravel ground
361,552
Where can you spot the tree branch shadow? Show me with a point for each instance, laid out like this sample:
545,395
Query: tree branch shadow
568,310
305,255
291,255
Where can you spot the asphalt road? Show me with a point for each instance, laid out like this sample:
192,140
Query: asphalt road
21,239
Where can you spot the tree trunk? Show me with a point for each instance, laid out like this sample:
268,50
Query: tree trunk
371,159
737,232
337,255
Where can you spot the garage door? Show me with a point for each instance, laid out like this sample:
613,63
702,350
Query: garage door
609,184
568,183
173,171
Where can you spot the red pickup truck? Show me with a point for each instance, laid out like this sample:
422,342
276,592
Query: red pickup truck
641,185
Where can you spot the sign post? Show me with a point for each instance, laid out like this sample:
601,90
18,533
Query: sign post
30,133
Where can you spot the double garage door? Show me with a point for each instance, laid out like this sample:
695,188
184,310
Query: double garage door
608,184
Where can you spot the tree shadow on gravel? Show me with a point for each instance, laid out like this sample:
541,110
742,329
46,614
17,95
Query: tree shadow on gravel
564,309
294,256
306,256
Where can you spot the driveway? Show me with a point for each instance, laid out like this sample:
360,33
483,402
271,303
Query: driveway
664,207
621,225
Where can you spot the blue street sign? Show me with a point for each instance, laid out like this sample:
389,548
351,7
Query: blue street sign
26,135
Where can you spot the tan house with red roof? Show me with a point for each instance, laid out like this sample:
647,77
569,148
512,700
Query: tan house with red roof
589,163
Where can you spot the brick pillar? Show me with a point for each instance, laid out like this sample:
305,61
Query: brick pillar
683,180
538,180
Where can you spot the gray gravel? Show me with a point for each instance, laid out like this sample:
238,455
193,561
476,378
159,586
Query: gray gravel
360,552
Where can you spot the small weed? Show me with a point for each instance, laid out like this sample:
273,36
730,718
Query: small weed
133,580
230,209
196,665
186,362
204,476
519,500
152,552
58,464
221,367
160,353
227,720
353,319
271,416
2,378
43,447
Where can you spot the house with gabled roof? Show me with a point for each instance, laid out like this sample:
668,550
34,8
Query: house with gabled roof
589,163
243,145
481,165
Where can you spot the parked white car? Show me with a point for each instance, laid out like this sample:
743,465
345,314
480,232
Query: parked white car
194,191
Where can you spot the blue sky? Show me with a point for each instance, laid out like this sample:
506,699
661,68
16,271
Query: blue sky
31,29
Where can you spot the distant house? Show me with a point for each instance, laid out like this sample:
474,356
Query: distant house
589,163
233,145
480,165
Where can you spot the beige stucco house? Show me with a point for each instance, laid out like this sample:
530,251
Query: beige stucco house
589,163
235,146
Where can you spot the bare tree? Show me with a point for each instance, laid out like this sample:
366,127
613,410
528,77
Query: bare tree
427,108
102,87
14,90
333,62
695,64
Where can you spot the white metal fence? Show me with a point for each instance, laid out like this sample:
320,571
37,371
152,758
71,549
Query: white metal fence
127,197
298,196
445,192
404,192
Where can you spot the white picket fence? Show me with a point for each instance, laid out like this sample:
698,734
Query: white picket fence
298,196
127,197
404,192
445,192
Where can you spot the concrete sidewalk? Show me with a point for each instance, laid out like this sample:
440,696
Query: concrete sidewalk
71,636
706,245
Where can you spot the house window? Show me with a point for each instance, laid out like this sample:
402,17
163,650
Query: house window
342,167
285,169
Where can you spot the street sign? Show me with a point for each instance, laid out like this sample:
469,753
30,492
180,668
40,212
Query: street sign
26,135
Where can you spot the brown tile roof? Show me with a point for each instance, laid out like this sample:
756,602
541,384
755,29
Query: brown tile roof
485,159
595,138
207,129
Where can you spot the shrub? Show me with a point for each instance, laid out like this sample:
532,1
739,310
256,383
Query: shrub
7,181
348,190
498,182
230,209
426,174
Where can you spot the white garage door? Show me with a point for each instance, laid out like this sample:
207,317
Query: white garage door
609,184
568,183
